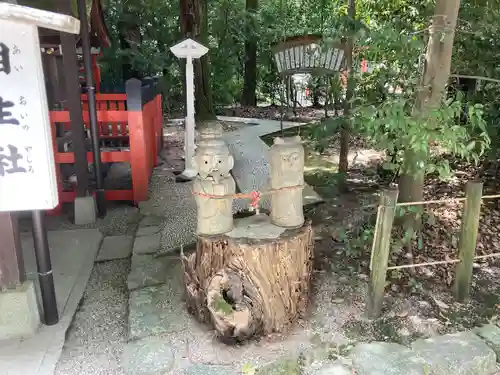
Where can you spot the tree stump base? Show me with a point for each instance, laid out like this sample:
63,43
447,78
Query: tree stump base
250,286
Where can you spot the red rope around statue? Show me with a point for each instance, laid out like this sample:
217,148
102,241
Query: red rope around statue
255,196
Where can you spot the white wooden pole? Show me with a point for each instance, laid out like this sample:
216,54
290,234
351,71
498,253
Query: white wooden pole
189,49
189,145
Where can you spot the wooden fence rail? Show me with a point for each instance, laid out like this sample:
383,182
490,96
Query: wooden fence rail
466,248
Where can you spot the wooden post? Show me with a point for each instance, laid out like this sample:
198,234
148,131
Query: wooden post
381,250
11,256
468,237
138,141
74,104
189,50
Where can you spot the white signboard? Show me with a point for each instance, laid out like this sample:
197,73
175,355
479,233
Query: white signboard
27,168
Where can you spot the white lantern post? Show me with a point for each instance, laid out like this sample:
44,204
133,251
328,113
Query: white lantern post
189,50
27,167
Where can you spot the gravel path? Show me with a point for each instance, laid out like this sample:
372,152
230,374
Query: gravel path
95,340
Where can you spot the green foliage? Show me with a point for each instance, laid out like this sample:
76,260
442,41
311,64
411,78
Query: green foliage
393,126
390,33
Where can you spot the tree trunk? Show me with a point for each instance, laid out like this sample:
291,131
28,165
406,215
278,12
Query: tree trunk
435,76
345,131
194,24
249,96
130,38
248,287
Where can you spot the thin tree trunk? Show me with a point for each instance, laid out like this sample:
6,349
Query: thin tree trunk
194,24
249,96
435,76
345,131
130,38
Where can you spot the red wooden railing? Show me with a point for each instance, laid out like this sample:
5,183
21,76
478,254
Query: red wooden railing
125,117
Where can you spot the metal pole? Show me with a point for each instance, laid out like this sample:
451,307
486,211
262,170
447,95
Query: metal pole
94,127
44,269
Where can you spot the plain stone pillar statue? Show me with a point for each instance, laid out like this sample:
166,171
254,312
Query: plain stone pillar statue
214,163
287,176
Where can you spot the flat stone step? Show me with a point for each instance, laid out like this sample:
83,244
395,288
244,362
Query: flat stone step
385,358
461,353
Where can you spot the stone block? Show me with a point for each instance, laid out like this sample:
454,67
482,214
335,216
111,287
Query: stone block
115,247
149,356
333,369
456,354
148,231
386,358
159,309
201,369
85,210
146,270
151,221
19,313
147,244
490,333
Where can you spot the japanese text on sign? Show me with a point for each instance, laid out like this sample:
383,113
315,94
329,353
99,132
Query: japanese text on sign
27,170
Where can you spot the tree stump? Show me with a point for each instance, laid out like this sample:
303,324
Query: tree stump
248,287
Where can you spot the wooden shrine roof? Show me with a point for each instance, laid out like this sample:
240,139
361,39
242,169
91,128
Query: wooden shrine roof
99,35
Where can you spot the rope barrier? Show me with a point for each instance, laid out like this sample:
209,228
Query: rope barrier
493,255
423,264
434,201
254,196
447,200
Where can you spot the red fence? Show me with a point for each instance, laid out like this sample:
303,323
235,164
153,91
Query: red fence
134,118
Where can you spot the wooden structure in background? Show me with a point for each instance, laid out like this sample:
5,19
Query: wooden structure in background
63,70
52,56
306,54
134,122
247,287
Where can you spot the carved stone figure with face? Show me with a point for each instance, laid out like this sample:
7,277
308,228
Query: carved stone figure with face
213,163
213,160
287,170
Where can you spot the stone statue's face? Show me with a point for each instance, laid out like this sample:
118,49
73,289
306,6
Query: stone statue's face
214,164
291,162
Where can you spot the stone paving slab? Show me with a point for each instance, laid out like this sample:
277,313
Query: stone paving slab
115,247
461,353
333,369
385,358
490,333
148,244
72,253
147,270
149,230
159,309
151,221
201,369
149,356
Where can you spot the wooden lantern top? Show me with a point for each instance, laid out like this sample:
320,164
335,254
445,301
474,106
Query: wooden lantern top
304,54
99,34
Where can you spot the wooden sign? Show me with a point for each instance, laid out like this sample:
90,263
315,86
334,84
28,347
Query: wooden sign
189,50
27,168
